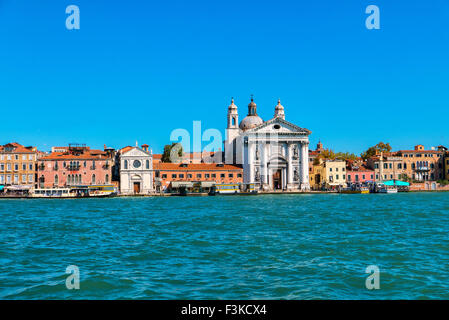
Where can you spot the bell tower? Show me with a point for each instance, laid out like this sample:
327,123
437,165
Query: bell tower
232,132
279,110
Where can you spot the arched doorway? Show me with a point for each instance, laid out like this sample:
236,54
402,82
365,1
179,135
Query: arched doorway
277,173
136,184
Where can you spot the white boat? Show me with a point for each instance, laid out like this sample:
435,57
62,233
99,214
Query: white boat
381,188
99,191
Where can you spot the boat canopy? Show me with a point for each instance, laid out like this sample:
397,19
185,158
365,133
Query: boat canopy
2,187
207,184
17,188
396,183
178,184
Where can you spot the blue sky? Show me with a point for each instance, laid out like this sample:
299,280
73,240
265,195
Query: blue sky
136,70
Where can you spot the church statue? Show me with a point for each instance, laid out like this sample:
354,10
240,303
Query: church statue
295,151
257,152
257,178
295,175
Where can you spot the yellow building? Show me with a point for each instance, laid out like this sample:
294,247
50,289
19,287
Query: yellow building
328,174
17,166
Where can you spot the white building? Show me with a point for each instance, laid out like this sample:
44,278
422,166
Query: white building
136,170
274,153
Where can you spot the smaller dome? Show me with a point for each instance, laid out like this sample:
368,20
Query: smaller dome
250,122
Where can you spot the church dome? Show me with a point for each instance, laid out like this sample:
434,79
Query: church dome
250,122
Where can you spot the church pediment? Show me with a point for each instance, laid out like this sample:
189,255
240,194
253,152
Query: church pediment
135,152
279,126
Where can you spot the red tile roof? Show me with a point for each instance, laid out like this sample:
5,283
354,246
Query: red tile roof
194,167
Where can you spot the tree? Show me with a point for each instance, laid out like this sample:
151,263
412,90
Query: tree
378,148
166,156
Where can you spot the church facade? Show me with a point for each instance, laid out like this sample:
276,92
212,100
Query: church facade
274,153
136,170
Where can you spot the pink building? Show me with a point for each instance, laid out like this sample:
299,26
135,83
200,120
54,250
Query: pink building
78,165
357,172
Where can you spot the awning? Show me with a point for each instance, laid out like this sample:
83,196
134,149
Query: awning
396,183
18,188
207,184
178,184
2,187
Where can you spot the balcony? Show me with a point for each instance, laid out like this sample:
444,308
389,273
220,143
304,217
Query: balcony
423,168
73,167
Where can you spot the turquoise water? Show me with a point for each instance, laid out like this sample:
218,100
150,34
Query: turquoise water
228,247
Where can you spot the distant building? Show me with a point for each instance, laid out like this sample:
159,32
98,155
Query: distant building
328,174
446,165
17,165
358,172
422,165
136,170
76,165
274,153
168,173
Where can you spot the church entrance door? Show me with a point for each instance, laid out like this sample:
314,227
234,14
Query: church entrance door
136,187
277,180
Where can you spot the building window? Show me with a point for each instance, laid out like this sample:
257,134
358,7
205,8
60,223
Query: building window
198,175
24,178
349,178
336,169
214,175
56,179
2,167
231,175
147,164
363,176
356,177
207,175
24,157
239,175
189,175
106,179
164,176
376,166
93,179
2,179
30,178
181,176
16,167
16,178
173,176
344,177
222,175
126,164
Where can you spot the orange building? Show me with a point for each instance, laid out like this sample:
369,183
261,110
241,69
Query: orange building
166,173
18,165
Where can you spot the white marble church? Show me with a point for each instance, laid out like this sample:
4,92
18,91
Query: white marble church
274,153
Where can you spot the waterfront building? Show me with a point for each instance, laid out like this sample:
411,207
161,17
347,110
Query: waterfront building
76,165
169,174
420,164
358,172
136,170
386,167
195,157
328,174
274,153
18,165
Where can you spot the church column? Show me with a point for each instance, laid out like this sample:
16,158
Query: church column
264,163
305,164
251,162
290,163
